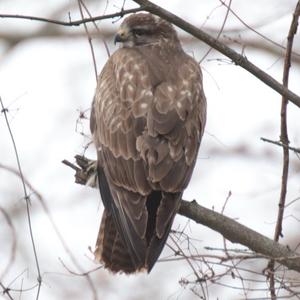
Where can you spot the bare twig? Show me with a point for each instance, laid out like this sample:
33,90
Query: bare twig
222,212
12,251
255,31
199,279
97,29
26,197
89,39
6,291
279,143
292,202
220,31
73,23
84,274
284,140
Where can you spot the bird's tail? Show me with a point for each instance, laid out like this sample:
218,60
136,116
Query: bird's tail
110,249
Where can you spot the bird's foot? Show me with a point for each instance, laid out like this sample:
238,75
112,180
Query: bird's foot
88,171
85,170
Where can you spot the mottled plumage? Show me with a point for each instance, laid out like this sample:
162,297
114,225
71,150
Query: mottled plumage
147,120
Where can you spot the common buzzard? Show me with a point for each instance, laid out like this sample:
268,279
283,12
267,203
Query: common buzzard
147,120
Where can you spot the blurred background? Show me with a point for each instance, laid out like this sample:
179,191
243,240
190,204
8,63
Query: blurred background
47,82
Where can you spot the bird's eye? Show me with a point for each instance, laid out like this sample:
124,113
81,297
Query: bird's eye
140,31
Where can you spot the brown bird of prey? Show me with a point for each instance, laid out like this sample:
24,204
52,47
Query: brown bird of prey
147,120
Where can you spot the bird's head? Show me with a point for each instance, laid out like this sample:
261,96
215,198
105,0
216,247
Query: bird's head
144,29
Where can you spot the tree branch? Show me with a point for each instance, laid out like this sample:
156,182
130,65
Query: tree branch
238,233
238,59
284,139
73,23
296,150
230,229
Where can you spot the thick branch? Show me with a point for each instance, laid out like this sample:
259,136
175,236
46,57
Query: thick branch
214,43
230,229
238,233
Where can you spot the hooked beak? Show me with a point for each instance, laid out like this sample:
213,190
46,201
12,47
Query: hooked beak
118,39
121,36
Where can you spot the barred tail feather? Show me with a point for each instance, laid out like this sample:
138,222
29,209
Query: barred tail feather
110,249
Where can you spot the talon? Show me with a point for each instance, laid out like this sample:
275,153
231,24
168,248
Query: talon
92,175
87,174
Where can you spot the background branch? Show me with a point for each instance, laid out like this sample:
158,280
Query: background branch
228,37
